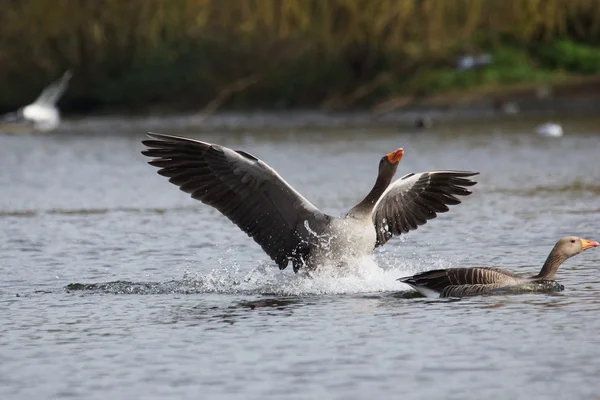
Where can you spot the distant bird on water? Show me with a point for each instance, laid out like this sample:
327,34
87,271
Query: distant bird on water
286,225
42,114
506,107
549,130
424,122
462,282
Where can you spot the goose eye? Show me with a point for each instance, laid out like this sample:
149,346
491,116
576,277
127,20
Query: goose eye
572,240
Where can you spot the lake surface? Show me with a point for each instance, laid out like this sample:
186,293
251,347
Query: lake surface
116,285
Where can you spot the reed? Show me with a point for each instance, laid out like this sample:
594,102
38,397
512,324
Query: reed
301,52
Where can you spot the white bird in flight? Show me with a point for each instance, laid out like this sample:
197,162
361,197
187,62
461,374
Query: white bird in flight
42,114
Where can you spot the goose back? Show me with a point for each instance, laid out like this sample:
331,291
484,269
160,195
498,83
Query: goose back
461,281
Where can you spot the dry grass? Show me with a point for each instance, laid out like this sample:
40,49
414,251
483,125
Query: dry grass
111,43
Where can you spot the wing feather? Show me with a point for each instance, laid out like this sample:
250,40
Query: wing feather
52,93
416,198
242,187
457,282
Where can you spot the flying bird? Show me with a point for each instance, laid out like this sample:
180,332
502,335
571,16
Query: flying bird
43,114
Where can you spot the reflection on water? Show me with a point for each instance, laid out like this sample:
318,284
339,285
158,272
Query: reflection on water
277,303
116,284
237,311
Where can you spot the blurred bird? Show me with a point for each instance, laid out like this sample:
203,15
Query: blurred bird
424,122
549,130
42,114
543,92
467,62
505,107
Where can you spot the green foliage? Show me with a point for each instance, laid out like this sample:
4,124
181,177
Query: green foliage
509,65
570,56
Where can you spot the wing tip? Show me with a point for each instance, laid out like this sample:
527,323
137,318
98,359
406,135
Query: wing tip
156,135
455,173
67,75
468,173
174,139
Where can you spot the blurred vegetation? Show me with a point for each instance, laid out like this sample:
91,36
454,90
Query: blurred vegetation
284,53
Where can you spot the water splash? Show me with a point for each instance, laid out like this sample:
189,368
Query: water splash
361,276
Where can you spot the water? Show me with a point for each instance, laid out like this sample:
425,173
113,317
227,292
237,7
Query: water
176,302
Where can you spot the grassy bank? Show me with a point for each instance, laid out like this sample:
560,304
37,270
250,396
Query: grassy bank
245,54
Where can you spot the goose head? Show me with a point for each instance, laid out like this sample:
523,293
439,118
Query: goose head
570,246
389,163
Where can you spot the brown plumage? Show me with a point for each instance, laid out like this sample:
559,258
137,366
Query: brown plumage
462,282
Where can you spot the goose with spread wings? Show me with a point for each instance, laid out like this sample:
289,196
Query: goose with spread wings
286,225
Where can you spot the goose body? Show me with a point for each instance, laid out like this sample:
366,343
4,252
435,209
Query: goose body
42,115
286,225
462,282
342,240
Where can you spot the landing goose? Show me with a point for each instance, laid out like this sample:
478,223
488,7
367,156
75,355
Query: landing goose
42,114
462,282
286,225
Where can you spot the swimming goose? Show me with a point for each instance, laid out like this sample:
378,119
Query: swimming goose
42,114
286,225
461,282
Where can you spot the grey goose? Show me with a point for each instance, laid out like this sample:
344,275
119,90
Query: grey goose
286,225
463,282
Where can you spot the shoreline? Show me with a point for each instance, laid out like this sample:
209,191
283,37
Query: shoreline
577,97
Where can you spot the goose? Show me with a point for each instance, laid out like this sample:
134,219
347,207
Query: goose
42,114
462,282
549,130
286,225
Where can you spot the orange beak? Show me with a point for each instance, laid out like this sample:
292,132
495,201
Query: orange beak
588,244
395,156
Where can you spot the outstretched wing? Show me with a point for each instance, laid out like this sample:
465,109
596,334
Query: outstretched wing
54,91
416,198
242,187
